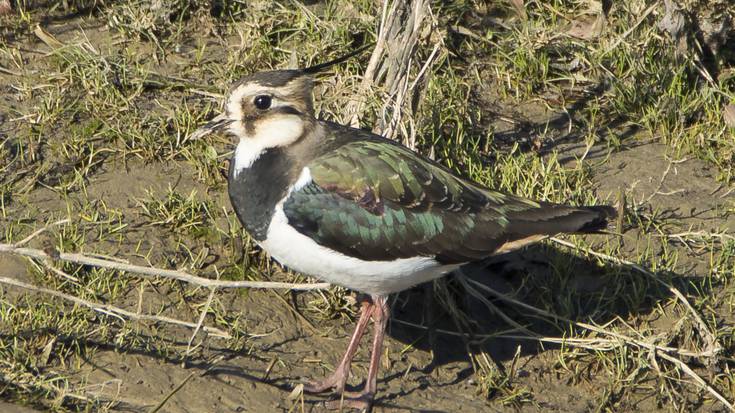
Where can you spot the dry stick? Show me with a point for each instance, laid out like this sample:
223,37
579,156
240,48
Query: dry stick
397,84
660,186
368,76
712,344
201,321
39,231
699,380
170,394
426,65
701,235
46,263
397,114
152,272
111,310
596,343
57,271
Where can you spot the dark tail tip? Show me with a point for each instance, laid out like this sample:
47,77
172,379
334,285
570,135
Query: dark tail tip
603,214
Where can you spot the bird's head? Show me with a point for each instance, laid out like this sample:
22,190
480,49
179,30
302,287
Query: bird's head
273,107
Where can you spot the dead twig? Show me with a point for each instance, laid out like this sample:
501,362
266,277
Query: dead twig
157,272
200,322
402,29
701,236
112,310
699,380
39,231
356,107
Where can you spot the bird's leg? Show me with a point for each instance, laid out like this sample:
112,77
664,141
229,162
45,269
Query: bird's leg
339,377
381,313
363,400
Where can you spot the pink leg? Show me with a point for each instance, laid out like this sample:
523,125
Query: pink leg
338,379
364,399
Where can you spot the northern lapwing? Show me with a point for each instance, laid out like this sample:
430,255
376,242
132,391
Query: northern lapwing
358,210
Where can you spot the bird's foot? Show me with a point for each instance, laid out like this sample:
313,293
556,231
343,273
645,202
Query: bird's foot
362,401
335,381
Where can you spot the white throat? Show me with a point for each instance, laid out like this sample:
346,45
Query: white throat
279,130
247,152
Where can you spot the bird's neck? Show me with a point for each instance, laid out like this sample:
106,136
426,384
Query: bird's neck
261,177
257,188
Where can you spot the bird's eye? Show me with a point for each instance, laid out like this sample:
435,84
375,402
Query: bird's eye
262,102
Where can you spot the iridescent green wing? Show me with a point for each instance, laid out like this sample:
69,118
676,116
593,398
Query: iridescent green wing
379,201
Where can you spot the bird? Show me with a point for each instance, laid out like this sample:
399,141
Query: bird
362,211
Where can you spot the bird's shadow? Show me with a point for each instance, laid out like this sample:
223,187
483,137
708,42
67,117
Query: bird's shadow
567,286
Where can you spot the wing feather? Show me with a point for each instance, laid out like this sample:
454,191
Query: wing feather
375,200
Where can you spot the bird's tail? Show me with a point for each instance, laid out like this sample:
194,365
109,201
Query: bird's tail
551,219
605,214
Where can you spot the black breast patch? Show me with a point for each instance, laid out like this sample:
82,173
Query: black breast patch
255,191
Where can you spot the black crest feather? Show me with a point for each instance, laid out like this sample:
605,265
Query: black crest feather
321,66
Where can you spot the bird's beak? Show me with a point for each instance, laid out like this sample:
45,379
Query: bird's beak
218,123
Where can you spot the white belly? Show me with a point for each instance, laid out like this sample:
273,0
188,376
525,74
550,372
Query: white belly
299,252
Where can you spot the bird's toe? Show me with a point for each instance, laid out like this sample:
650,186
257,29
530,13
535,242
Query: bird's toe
362,402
